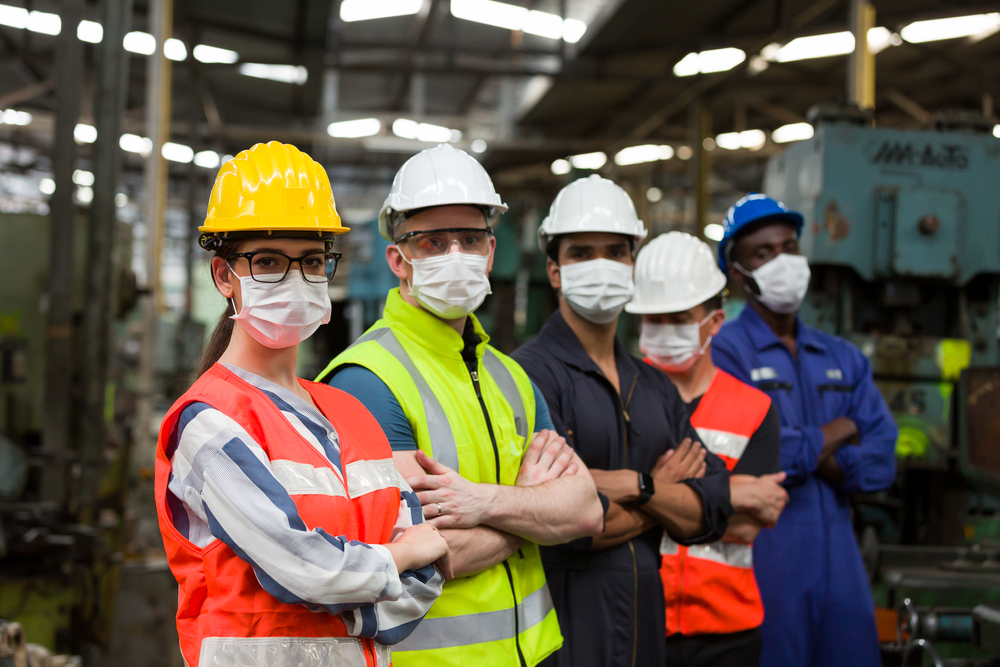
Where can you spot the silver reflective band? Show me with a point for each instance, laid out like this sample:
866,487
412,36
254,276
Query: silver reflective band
723,443
508,387
667,546
304,479
442,438
490,626
726,553
367,476
285,651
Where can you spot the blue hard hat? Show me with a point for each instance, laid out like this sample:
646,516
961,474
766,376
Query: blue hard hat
753,208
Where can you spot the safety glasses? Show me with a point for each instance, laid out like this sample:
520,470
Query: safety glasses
435,242
271,267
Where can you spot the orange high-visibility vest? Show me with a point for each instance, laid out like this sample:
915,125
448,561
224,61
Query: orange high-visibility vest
711,588
219,595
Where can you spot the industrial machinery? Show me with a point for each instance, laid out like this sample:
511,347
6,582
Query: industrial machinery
902,234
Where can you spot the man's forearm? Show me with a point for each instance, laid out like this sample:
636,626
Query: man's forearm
678,509
620,525
476,549
555,512
743,528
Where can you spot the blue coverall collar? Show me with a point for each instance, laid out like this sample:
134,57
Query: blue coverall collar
763,337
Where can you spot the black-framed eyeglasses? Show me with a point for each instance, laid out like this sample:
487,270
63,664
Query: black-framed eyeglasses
435,242
267,266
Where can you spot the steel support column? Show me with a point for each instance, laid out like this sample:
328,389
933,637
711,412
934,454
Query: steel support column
56,433
700,133
861,63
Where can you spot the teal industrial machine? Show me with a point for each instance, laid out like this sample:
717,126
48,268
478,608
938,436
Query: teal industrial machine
902,229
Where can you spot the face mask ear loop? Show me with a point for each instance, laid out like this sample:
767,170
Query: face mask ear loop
746,288
232,299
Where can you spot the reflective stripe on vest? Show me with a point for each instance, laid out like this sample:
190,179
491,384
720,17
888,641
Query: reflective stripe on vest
501,375
368,476
436,633
726,553
284,651
723,443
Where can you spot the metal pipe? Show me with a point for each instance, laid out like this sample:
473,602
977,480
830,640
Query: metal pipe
158,127
58,335
861,64
112,71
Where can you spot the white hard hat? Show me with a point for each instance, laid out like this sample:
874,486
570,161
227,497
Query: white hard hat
439,176
591,204
674,272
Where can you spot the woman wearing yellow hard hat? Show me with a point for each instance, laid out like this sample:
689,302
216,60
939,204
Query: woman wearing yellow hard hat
293,539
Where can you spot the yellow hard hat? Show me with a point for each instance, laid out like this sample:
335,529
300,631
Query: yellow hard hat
271,188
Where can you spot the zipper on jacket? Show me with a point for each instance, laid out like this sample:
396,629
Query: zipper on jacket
682,552
631,547
474,374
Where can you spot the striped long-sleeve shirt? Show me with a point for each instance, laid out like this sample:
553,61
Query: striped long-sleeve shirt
223,487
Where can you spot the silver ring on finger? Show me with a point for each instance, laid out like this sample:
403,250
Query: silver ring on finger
438,506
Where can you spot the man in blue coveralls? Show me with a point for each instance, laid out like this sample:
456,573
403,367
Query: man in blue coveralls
837,438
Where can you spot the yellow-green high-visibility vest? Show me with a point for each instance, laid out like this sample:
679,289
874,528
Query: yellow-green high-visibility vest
504,614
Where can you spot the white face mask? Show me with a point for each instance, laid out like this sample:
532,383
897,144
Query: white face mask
674,347
450,285
279,315
783,282
597,289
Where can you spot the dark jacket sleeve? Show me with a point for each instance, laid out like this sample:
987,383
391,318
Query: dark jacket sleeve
713,488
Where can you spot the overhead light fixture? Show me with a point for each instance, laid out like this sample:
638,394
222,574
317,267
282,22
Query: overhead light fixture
177,152
512,17
85,194
640,154
707,62
561,167
816,46
174,49
85,134
752,139
204,53
133,143
283,73
366,10
121,199
352,129
45,23
46,186
879,39
951,28
409,129
478,146
12,117
594,160
206,159
90,31
996,131
792,132
654,194
684,153
714,231
14,17
139,42
81,177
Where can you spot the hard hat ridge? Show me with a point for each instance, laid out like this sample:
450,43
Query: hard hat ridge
674,272
591,204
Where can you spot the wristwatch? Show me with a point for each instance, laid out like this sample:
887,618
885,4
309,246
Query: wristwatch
645,488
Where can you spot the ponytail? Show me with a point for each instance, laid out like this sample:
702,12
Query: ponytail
223,332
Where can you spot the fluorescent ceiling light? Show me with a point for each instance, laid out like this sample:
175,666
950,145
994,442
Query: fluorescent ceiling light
478,146
792,132
81,177
685,153
207,159
11,117
204,53
817,46
561,167
752,139
714,231
15,17
589,160
996,131
283,73
45,23
177,152
133,143
174,49
365,10
90,31
958,26
85,194
408,129
121,199
47,186
640,154
654,194
706,62
140,42
511,17
879,39
352,129
85,134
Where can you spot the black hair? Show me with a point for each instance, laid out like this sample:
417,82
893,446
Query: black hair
552,246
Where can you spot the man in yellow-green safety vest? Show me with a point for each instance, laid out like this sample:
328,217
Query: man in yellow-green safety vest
469,430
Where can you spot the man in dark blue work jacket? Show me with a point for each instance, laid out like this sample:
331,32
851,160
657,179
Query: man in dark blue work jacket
837,438
621,416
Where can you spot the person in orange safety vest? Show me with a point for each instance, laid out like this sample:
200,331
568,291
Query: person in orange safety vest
293,539
713,606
